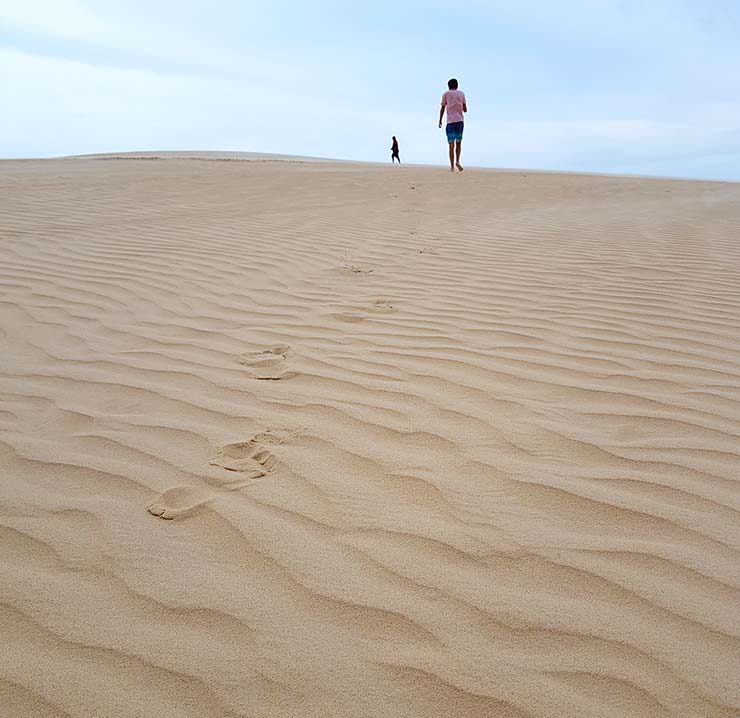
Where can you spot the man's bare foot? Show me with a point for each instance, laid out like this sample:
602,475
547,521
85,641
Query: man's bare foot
452,169
459,166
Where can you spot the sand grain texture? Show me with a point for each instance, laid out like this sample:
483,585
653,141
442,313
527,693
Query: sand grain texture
430,445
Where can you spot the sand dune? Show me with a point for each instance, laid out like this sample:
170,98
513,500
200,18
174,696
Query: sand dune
431,445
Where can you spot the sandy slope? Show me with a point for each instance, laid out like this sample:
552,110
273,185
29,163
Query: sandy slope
435,445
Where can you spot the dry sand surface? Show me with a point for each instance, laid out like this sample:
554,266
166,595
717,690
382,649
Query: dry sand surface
433,445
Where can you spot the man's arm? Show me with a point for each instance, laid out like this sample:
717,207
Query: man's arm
441,113
465,106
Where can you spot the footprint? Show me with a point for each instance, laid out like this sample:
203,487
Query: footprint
382,306
276,435
268,357
178,502
268,363
248,457
249,461
242,472
250,467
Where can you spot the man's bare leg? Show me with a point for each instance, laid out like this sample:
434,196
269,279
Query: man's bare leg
452,156
458,150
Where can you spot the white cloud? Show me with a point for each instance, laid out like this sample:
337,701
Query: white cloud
108,33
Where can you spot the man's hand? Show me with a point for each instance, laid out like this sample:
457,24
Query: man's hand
440,124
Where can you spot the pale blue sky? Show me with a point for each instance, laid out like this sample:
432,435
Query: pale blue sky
649,87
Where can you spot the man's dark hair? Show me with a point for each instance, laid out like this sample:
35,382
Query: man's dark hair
452,84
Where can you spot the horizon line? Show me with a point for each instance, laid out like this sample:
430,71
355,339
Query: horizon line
249,156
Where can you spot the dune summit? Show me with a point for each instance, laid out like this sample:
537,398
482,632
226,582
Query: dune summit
299,439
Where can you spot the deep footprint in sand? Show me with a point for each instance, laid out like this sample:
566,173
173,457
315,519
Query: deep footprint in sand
248,457
268,364
178,502
249,461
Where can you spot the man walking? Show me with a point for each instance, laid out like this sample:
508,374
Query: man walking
453,102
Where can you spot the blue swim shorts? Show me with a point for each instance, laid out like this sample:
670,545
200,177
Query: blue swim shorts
454,132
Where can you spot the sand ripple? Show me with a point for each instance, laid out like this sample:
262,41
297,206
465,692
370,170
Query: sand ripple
493,470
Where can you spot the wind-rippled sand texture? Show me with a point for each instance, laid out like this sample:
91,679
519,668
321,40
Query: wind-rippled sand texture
432,445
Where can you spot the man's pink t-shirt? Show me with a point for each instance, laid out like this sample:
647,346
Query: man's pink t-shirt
454,100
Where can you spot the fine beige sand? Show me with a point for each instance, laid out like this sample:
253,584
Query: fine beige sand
432,446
